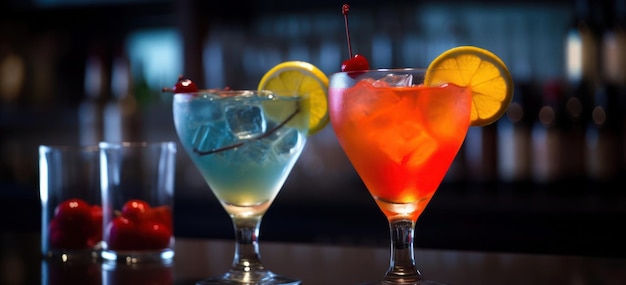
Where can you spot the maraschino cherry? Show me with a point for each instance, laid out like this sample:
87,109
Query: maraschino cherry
138,226
183,85
356,62
76,224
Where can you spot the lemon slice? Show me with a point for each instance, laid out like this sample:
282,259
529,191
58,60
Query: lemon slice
299,78
480,70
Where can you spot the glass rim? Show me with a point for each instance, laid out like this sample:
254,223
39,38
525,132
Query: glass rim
391,69
239,94
226,93
135,144
67,148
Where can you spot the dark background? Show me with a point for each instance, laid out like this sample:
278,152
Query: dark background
546,205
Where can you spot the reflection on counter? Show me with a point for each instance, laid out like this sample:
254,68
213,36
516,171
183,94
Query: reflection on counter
57,273
197,259
137,274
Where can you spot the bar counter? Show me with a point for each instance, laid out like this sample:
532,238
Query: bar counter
314,264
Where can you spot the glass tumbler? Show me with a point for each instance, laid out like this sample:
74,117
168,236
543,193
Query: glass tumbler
137,201
71,213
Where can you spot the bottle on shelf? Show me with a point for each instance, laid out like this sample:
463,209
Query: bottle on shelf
603,151
605,132
547,137
619,75
12,79
90,109
121,117
582,74
514,137
479,153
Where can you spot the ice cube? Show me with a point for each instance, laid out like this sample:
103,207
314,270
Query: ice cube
206,138
425,147
253,151
245,120
288,142
204,111
447,111
395,80
412,148
363,96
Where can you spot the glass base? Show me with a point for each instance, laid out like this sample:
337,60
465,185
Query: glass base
71,255
268,278
165,256
420,282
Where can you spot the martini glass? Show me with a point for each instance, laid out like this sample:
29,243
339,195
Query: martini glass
401,138
244,144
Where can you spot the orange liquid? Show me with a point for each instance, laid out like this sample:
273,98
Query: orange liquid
401,140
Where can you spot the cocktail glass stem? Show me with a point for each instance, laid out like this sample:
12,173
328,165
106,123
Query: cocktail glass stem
247,261
247,267
402,267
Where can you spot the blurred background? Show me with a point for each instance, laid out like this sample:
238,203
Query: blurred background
547,178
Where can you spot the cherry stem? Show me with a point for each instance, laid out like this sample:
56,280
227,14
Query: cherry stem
344,10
